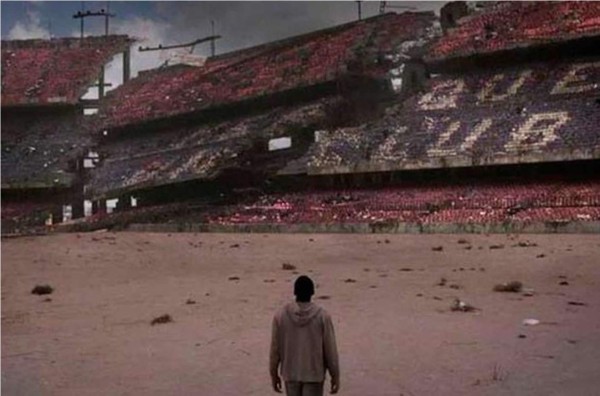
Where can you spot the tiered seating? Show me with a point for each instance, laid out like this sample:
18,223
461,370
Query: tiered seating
516,24
419,203
539,112
195,152
306,61
56,70
37,148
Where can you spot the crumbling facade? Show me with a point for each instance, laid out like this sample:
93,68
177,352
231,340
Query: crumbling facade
44,133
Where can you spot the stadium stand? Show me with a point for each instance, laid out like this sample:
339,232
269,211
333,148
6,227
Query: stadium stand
302,62
515,24
44,133
56,71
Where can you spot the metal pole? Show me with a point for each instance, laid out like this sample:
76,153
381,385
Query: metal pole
212,42
81,23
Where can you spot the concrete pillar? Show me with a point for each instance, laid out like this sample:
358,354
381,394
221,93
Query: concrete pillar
57,214
77,209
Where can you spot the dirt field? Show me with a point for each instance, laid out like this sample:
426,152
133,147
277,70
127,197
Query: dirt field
396,332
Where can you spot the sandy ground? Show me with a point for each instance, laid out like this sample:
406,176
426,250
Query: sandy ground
396,333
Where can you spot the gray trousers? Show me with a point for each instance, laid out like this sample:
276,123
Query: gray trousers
293,388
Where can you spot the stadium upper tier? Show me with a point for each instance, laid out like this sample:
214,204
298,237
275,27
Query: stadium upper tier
304,61
530,113
510,25
56,71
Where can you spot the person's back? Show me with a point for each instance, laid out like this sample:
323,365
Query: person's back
303,343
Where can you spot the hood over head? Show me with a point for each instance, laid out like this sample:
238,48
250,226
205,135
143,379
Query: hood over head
302,313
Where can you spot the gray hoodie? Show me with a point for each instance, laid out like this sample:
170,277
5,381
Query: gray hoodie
303,342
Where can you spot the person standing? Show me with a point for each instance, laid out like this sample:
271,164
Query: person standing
303,345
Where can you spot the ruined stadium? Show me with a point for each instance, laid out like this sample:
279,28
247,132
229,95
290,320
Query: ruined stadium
437,174
481,120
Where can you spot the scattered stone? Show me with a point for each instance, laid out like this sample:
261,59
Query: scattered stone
572,342
528,293
189,301
563,283
310,240
233,278
497,246
454,286
480,248
325,297
482,269
562,277
235,245
373,287
461,306
510,287
468,247
522,336
442,282
350,280
419,294
288,267
437,248
269,280
542,255
437,298
366,269
525,244
207,294
383,275
40,290
48,299
378,242
577,303
461,269
472,269
406,269
295,272
162,319
387,241
462,241
530,322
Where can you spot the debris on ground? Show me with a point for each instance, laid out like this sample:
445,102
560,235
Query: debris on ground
288,267
563,283
373,287
419,294
40,290
162,319
406,269
437,298
577,303
469,247
310,240
325,297
501,246
528,292
269,280
235,245
462,241
295,272
522,336
350,280
542,255
525,244
510,287
442,282
530,322
47,299
437,248
366,269
454,286
189,301
233,278
461,306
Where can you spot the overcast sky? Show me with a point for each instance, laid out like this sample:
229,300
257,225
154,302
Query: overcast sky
241,23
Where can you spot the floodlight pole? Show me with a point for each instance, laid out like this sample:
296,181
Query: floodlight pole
359,4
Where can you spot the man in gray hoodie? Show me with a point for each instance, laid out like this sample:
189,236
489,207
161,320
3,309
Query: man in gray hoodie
303,343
